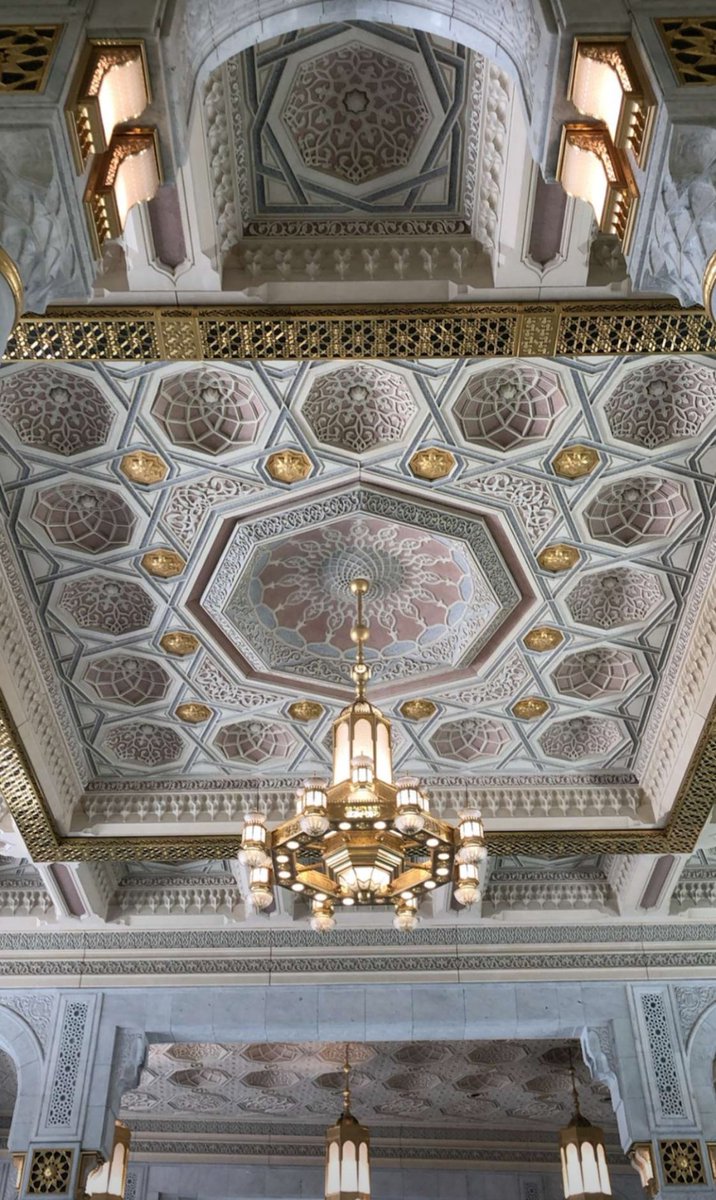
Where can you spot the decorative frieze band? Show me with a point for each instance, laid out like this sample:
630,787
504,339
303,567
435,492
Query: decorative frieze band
367,331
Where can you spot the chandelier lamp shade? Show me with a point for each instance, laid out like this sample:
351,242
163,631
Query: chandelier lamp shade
109,1180
585,1174
347,1153
363,838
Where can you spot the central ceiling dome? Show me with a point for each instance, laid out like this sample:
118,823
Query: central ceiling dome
440,588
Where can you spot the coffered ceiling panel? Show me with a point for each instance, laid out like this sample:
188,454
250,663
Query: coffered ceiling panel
536,534
347,120
441,1085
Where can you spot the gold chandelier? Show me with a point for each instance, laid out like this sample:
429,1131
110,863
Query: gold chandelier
363,838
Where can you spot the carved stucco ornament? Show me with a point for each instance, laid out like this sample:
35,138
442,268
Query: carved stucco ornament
164,564
289,466
179,642
432,463
35,222
574,462
559,557
142,467
543,638
192,712
305,710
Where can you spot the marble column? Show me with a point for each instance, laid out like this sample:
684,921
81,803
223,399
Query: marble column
675,246
45,252
72,1070
681,1106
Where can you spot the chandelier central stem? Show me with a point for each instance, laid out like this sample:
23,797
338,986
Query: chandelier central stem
346,1084
360,672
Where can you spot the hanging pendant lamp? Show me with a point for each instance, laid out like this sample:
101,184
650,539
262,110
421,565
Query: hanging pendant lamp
363,838
585,1174
347,1152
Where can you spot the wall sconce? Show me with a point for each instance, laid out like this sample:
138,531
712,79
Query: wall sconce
591,169
112,89
605,83
641,1158
126,174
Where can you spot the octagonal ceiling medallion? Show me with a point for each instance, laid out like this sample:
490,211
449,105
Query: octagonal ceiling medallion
574,462
359,408
55,409
350,119
543,638
418,709
163,563
289,466
193,712
355,112
444,587
305,710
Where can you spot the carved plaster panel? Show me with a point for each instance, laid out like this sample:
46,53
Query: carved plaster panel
96,608
500,1085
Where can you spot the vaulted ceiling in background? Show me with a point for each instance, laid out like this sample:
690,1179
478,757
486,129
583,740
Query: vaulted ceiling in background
529,571
349,120
440,1086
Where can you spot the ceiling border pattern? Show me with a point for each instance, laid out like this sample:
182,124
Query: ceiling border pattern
519,329
460,960
23,796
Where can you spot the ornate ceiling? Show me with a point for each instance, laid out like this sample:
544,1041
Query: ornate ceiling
341,121
534,531
437,1089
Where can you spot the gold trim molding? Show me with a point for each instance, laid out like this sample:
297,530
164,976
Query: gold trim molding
23,796
709,284
519,329
13,279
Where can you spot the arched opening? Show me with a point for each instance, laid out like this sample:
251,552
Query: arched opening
21,1072
8,1095
208,34
489,1109
333,157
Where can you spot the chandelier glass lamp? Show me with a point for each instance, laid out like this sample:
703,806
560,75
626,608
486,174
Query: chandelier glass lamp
363,838
347,1153
108,1181
585,1174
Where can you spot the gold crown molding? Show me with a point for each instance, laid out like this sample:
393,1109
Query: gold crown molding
518,329
13,279
23,796
709,284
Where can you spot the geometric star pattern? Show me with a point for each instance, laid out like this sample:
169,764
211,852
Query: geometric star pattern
640,534
499,1084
